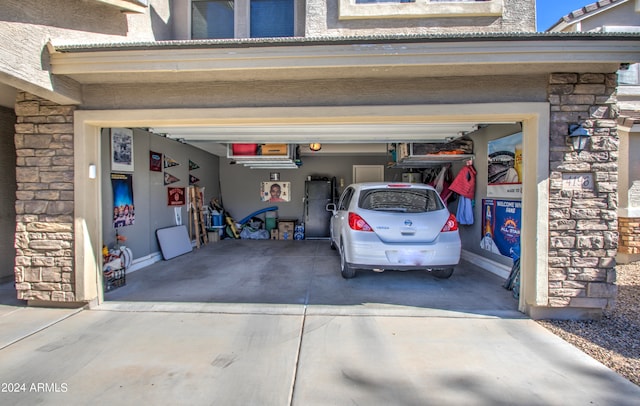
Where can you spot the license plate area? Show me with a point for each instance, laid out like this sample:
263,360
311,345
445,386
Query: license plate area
409,257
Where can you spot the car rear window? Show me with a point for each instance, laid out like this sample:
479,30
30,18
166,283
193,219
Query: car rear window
401,200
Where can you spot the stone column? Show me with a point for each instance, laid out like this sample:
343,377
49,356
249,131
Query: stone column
583,225
44,200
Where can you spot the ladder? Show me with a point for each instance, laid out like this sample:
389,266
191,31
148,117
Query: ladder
196,219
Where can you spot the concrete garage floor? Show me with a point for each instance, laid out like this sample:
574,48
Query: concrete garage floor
308,273
273,323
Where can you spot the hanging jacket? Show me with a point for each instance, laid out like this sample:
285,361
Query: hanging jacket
465,182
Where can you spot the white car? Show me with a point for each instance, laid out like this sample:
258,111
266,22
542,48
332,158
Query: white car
394,226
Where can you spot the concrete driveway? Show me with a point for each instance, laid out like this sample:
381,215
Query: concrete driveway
315,342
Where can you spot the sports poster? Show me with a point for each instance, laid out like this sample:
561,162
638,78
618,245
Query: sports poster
502,222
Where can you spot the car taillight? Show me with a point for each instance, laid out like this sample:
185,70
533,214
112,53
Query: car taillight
357,223
451,224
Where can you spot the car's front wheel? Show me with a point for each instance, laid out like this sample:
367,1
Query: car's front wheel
346,270
442,273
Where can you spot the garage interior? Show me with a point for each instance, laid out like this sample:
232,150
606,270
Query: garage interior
229,270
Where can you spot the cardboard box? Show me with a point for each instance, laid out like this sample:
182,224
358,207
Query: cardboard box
286,229
274,234
214,236
274,149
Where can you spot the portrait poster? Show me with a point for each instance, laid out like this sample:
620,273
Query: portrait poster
274,192
502,222
176,196
505,167
123,208
122,149
155,161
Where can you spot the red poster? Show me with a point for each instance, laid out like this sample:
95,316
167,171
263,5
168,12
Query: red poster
176,196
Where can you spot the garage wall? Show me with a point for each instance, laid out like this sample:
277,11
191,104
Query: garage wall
8,195
471,234
149,191
241,185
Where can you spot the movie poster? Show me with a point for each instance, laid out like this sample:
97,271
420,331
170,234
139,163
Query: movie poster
123,208
501,228
505,167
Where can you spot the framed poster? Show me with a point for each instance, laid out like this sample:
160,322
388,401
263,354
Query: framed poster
275,191
505,167
176,196
155,161
122,149
502,222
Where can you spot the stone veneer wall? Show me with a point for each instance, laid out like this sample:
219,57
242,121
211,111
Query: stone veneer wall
583,228
44,200
629,228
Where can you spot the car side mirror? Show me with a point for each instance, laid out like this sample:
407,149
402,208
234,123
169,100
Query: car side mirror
331,207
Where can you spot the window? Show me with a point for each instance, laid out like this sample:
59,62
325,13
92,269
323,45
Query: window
271,18
212,19
345,200
242,18
404,201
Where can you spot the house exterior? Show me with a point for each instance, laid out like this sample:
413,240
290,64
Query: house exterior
619,16
71,69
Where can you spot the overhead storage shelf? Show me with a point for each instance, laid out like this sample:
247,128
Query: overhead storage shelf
263,156
417,155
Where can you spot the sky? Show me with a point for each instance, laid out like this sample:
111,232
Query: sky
550,11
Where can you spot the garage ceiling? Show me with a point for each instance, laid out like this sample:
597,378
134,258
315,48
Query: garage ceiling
214,138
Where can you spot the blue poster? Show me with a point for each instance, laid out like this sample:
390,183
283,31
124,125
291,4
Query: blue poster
123,209
502,221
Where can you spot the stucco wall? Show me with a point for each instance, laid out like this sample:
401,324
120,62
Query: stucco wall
319,92
8,195
323,20
621,15
27,25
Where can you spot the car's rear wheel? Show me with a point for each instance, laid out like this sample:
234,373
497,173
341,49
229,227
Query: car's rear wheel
346,270
442,273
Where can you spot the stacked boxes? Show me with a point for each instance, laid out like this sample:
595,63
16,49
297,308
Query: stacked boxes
286,229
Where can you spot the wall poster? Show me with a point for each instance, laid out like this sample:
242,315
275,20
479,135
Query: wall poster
176,196
505,167
155,161
123,208
501,228
122,149
275,191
